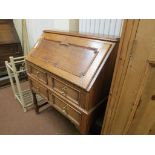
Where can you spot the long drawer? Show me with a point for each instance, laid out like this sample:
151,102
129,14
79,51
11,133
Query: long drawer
73,114
58,85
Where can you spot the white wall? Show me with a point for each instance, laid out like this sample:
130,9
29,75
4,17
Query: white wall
61,24
97,26
18,26
108,27
36,26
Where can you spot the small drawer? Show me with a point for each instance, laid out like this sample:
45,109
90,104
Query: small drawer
38,73
73,114
64,89
38,88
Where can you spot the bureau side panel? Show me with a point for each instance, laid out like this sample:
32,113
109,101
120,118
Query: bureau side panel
101,87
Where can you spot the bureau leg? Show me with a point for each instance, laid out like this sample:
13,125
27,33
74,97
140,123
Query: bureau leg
85,124
35,102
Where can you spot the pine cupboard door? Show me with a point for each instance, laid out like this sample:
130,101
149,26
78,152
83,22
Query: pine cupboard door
135,106
143,117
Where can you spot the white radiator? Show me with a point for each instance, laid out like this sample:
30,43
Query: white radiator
108,27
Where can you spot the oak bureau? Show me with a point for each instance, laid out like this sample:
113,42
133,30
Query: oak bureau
73,73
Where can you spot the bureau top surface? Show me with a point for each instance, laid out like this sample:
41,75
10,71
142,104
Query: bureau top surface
73,57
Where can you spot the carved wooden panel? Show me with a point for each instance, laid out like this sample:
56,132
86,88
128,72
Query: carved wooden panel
66,56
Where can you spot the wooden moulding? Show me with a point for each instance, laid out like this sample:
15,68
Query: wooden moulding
85,35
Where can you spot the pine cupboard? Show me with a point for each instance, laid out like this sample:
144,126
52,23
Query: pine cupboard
73,73
131,104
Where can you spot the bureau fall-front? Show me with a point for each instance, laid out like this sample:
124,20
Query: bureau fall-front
73,73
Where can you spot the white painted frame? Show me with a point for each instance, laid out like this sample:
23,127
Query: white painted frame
23,96
13,76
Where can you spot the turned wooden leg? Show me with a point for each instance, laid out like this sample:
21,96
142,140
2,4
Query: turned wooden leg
35,102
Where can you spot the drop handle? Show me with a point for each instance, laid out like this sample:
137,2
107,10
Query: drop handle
64,91
64,43
64,88
64,109
38,74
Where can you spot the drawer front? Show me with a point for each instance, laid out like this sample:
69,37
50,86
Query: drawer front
37,73
73,114
64,89
38,88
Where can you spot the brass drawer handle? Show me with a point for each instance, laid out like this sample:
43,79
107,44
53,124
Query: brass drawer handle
64,91
64,88
64,109
64,43
38,73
